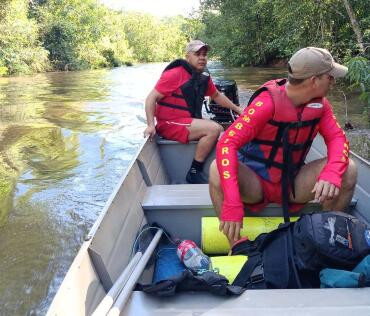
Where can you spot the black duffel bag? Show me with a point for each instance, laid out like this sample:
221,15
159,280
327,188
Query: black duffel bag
293,255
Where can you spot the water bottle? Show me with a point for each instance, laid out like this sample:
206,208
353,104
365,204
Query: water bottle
192,257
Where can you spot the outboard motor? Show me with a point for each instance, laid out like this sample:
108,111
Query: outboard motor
220,114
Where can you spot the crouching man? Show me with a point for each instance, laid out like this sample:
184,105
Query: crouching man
273,136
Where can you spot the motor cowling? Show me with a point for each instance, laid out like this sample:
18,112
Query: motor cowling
229,89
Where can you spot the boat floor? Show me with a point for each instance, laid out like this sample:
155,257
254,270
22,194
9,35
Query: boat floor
257,302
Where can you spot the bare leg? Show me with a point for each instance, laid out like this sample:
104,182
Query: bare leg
307,178
249,187
207,133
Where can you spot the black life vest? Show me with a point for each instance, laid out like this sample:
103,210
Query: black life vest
282,149
193,91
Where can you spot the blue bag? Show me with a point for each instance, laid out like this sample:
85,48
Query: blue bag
364,268
358,277
168,263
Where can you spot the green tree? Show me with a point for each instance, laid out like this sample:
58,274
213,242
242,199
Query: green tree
38,35
359,77
81,34
153,39
253,32
20,49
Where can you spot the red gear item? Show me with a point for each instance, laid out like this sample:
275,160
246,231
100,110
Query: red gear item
253,124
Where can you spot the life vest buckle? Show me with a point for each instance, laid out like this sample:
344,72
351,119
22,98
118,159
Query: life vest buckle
257,275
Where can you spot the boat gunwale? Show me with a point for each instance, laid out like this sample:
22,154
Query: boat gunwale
117,187
362,159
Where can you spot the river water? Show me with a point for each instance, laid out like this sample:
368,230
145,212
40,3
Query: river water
65,141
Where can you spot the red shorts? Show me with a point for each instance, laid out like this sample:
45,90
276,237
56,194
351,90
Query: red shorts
272,194
176,129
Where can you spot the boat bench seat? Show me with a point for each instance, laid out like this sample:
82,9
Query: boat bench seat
196,196
177,196
177,158
171,204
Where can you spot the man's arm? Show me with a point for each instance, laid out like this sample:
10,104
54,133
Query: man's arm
225,102
150,102
243,130
330,179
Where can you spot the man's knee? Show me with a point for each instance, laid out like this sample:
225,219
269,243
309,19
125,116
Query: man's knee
215,129
350,176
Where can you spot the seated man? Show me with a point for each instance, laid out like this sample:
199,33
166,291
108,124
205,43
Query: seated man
176,102
277,129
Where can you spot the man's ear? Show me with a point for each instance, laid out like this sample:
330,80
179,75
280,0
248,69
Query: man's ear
313,81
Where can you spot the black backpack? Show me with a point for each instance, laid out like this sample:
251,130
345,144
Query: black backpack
293,255
330,239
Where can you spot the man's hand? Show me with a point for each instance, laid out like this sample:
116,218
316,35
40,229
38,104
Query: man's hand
239,110
325,190
231,229
150,131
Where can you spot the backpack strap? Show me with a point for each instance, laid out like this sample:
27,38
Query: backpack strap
270,261
252,275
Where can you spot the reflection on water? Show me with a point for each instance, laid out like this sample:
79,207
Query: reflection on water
65,140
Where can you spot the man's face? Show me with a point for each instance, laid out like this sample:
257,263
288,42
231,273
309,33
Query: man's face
324,83
198,59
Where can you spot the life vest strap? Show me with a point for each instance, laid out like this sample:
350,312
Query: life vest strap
264,160
260,90
178,63
175,95
297,124
174,106
294,147
256,94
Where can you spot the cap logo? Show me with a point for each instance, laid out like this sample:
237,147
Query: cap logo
314,105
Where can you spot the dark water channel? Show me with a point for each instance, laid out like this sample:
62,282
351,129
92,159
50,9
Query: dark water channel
65,141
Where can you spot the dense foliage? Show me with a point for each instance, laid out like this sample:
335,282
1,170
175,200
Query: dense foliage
152,39
20,48
254,32
39,35
359,77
